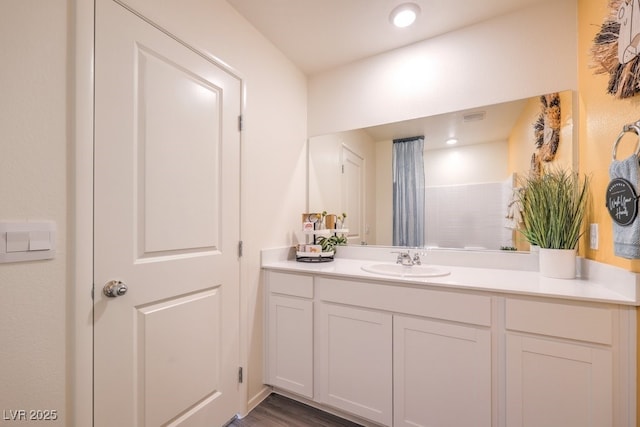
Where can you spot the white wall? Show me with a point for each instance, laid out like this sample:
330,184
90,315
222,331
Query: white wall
464,196
467,216
384,196
466,164
324,173
36,178
33,185
514,56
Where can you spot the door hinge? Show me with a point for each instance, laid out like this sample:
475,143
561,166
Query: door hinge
240,123
342,168
240,249
240,378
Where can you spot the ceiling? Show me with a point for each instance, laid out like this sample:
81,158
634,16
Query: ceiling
474,126
318,35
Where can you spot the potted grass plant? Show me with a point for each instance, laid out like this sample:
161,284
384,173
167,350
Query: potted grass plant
554,204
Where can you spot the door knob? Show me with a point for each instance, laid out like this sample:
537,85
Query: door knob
115,288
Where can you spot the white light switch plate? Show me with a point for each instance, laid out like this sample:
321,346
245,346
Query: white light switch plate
593,236
27,241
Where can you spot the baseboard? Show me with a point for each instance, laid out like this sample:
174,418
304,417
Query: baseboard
257,399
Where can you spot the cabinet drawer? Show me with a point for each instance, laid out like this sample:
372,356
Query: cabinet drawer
583,322
458,307
290,284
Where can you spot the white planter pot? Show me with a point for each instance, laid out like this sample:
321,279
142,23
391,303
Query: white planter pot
558,263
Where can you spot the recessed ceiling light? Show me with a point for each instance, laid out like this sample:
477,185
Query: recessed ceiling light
404,15
451,141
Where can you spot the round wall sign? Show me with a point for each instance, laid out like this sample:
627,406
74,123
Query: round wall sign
622,201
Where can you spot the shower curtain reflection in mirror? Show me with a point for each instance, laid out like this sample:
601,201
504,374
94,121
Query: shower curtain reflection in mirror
408,192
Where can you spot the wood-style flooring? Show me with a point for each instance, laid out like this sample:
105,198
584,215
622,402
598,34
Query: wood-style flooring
280,411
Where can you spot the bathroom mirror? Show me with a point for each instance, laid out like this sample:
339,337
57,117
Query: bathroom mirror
468,186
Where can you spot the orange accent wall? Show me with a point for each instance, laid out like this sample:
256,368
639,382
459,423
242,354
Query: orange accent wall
599,121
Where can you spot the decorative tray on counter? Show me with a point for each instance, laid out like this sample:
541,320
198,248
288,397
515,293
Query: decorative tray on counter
326,231
314,256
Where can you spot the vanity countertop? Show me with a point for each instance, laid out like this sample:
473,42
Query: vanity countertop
509,281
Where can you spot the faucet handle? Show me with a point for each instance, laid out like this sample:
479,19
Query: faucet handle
416,258
401,256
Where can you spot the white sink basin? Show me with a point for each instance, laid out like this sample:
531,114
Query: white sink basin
399,270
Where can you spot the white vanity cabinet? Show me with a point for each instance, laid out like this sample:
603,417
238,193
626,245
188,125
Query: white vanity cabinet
402,354
442,373
289,337
355,361
559,364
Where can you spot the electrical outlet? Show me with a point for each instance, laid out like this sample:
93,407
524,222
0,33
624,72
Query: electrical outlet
593,236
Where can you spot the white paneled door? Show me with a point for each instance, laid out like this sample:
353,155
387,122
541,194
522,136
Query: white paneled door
167,144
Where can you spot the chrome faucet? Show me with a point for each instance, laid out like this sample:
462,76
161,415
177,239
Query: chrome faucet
405,258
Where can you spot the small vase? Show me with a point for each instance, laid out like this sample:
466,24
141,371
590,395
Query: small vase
558,263
330,220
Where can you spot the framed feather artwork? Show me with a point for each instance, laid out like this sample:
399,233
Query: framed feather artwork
616,47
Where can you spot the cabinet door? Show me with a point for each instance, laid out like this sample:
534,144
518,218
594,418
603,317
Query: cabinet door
442,374
555,383
355,361
290,344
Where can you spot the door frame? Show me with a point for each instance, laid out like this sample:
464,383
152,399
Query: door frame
79,365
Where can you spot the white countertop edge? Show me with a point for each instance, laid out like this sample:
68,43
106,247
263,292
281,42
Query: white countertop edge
600,282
